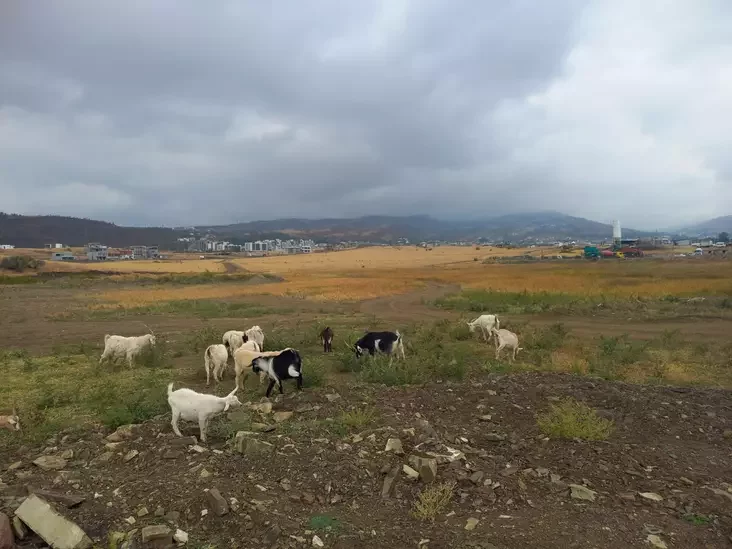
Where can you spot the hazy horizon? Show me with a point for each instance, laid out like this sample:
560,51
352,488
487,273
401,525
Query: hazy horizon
180,113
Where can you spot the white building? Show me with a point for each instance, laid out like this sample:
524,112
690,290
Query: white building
7,246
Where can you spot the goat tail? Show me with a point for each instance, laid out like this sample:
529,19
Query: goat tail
170,388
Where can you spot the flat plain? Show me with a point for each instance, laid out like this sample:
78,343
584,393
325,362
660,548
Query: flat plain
639,351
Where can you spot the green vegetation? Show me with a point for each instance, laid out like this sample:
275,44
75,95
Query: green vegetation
201,308
572,419
19,263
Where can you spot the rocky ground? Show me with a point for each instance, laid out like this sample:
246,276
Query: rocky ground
322,476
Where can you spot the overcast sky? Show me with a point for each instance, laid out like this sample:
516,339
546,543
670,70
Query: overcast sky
188,112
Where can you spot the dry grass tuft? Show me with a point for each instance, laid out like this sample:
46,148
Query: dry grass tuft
433,500
573,419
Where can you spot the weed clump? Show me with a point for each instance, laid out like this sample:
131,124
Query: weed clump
573,419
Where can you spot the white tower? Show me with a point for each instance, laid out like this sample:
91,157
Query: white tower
617,234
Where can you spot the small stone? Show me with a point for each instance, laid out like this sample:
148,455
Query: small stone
217,502
183,441
262,428
142,512
248,445
271,536
308,498
650,496
394,445
387,488
494,437
172,454
486,417
279,417
582,492
14,466
332,397
727,433
155,532
21,532
198,449
411,473
104,457
132,454
477,477
180,537
130,520
50,463
113,445
205,473
317,542
67,454
172,516
656,541
262,407
471,523
159,511
39,516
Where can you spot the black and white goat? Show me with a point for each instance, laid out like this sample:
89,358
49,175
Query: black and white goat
286,365
387,343
326,336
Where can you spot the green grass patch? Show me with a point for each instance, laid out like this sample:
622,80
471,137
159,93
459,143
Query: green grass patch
324,523
572,419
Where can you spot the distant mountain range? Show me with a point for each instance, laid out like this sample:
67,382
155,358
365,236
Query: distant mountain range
36,231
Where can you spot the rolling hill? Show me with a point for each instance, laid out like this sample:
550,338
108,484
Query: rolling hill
711,227
36,231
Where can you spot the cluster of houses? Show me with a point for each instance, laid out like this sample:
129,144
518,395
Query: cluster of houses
276,246
95,251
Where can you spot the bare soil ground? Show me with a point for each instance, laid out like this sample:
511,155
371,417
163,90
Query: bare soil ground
670,442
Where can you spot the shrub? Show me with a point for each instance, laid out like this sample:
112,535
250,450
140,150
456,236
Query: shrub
572,419
19,263
200,339
433,500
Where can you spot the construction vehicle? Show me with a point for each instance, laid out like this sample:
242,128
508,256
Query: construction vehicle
592,252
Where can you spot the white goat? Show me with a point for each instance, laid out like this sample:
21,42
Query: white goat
233,339
11,422
504,338
215,358
243,364
192,406
486,323
255,333
130,347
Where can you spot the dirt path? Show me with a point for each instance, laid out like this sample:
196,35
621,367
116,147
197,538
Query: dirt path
411,306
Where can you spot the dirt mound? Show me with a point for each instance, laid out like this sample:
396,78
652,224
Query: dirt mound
662,473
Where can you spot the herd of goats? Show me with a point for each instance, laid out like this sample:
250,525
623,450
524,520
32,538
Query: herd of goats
246,348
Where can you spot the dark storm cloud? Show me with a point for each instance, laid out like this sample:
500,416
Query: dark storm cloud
181,113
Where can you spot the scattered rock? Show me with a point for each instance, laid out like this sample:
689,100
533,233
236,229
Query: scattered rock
411,473
205,473
471,523
159,511
67,454
198,449
332,397
394,445
262,407
722,493
184,441
577,491
7,538
477,477
248,445
50,463
14,466
113,445
132,454
272,535
66,500
156,532
172,516
262,428
308,498
317,542
123,432
103,458
426,428
180,537
425,465
131,520
217,502
54,529
172,454
486,417
387,489
142,512
650,496
279,417
656,541
21,532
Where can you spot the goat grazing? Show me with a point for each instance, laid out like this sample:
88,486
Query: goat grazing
11,422
286,364
382,342
233,339
326,336
506,339
486,323
192,406
215,359
130,347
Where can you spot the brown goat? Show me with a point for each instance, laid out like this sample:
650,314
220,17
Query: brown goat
326,337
